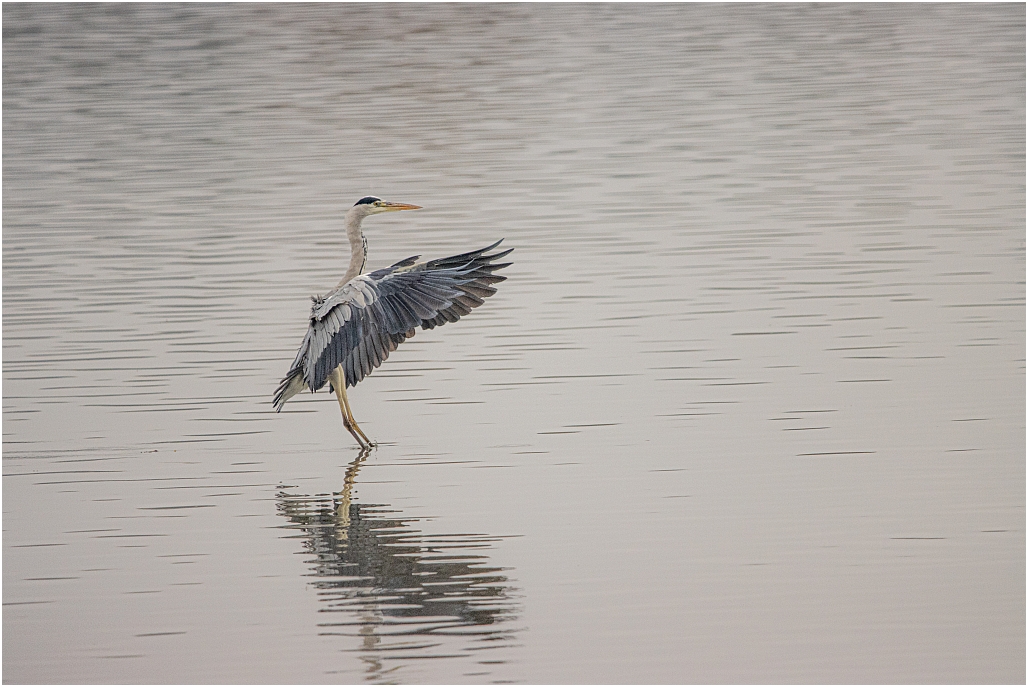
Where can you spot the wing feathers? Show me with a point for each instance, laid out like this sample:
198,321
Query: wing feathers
359,324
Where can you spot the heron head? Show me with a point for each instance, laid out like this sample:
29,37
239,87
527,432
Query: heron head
370,205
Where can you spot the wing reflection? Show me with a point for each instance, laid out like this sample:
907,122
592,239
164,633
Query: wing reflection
406,594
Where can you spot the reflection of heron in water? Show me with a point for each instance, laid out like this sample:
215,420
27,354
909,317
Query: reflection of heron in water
355,327
402,591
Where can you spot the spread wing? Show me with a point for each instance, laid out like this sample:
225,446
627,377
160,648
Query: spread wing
359,324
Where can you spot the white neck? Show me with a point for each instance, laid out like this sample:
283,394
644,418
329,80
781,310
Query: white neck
358,244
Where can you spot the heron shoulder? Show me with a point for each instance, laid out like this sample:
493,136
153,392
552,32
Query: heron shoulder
358,292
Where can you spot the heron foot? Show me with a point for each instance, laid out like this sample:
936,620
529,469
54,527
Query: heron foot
366,443
351,426
362,440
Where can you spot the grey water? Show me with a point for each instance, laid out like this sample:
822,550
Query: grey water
750,406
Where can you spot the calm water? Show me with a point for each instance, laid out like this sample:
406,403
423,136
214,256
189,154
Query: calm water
750,407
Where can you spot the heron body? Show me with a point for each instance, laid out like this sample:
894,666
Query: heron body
355,327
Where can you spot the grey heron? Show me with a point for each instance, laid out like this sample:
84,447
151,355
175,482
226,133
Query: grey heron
355,327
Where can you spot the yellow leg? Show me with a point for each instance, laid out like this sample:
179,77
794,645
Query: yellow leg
338,380
353,422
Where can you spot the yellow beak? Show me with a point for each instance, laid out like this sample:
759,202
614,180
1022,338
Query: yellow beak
392,207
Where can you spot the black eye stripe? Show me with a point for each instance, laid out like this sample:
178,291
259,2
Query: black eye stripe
367,200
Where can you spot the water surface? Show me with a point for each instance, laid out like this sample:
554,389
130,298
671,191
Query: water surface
749,408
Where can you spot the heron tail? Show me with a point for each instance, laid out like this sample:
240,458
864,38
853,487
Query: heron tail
289,387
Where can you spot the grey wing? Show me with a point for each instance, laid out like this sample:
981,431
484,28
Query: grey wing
361,323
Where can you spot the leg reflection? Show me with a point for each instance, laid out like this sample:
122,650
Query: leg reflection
342,529
395,594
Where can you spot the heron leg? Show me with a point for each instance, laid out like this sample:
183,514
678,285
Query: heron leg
353,423
338,380
347,420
